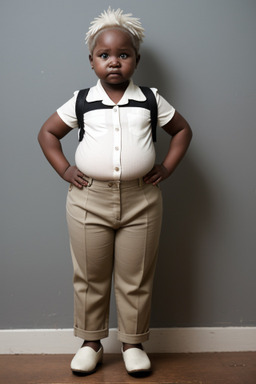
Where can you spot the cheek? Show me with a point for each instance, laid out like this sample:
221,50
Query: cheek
131,67
98,66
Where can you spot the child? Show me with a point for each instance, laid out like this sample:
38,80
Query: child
114,205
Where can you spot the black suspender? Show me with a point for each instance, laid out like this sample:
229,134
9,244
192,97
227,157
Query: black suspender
153,109
82,106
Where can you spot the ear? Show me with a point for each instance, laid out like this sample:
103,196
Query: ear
91,60
137,60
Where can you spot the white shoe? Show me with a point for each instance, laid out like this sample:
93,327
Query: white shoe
136,360
86,360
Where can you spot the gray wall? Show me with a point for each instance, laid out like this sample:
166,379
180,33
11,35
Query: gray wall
201,56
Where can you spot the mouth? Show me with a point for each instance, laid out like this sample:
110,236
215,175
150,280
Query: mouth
114,73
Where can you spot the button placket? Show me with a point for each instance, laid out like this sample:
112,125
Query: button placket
116,143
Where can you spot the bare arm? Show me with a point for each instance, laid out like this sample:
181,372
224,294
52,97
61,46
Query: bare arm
181,134
53,130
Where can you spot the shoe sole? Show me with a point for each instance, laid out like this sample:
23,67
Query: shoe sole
78,371
140,373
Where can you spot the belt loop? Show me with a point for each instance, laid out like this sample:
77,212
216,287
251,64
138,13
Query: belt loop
140,182
89,181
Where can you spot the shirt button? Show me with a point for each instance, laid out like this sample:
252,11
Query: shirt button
115,109
117,148
117,129
116,169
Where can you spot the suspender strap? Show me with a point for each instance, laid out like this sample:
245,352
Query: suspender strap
82,106
153,109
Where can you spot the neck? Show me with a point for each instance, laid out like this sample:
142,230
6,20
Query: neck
115,91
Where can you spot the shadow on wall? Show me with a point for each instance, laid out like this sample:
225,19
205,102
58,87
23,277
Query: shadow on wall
151,73
188,211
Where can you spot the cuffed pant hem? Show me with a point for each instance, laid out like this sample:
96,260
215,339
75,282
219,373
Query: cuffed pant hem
133,339
91,335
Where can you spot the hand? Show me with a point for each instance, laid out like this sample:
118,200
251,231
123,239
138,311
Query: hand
158,173
74,176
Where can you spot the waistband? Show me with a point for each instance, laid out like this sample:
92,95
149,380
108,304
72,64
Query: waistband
118,184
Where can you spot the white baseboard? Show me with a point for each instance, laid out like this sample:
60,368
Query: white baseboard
162,340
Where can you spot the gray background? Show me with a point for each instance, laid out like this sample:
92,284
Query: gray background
200,54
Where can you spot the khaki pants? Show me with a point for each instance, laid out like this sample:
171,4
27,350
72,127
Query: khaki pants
114,228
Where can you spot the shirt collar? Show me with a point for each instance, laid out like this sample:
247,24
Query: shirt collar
132,92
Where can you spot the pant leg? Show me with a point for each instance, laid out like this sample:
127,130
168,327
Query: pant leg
136,248
91,243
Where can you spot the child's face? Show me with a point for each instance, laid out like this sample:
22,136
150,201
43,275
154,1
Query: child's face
114,58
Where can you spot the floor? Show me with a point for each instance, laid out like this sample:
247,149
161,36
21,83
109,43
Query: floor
196,368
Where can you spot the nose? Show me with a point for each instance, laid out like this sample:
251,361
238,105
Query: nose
114,62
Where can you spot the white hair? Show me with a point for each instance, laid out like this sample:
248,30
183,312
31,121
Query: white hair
115,19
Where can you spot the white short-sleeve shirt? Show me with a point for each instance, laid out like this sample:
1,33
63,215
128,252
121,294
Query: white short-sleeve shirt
117,144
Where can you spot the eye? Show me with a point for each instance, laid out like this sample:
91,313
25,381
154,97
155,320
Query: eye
104,56
123,55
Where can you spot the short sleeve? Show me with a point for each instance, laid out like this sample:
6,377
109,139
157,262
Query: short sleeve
67,112
165,110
